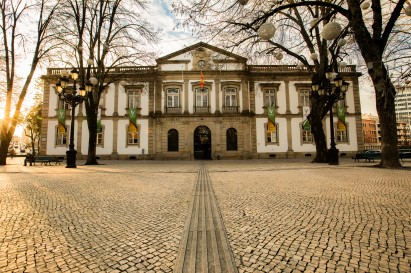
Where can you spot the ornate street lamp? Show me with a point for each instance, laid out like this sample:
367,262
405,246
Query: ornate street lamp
332,92
69,95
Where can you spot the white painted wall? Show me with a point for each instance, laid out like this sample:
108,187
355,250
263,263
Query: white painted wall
272,148
297,144
110,98
51,148
107,147
122,147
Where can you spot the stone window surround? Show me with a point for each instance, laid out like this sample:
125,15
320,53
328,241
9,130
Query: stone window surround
265,135
232,84
139,137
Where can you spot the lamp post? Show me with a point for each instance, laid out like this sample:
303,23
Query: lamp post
332,93
70,96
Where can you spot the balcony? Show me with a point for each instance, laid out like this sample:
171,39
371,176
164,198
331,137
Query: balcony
201,109
230,109
173,110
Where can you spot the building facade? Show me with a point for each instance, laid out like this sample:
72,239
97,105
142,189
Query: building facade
371,132
202,102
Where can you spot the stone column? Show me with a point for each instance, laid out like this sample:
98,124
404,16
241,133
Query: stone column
290,151
186,91
217,96
115,113
246,102
114,154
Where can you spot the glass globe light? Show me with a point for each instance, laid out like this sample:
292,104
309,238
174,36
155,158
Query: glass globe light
365,5
243,2
341,42
266,31
331,31
93,80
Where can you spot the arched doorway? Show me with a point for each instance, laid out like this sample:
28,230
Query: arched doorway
202,143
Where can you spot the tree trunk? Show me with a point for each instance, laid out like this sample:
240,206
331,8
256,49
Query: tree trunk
385,102
5,138
92,128
319,137
4,147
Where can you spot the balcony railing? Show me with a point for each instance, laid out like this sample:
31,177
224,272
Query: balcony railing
201,109
173,110
230,109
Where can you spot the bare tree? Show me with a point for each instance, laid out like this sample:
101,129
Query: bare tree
101,36
17,41
372,28
32,127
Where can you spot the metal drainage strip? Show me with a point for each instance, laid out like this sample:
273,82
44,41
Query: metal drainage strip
204,245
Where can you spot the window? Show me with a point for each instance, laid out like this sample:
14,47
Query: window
61,136
173,97
133,96
269,95
341,132
133,135
231,136
307,136
201,97
63,105
230,96
100,137
269,91
271,133
172,140
304,93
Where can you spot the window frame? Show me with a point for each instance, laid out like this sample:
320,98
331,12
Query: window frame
128,136
179,87
57,137
102,137
137,90
337,134
303,137
277,142
233,145
264,87
168,140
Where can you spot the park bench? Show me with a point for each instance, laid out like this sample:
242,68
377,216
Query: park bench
357,157
42,159
404,154
367,155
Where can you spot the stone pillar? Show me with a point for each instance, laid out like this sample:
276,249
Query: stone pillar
290,151
246,99
186,91
114,153
217,96
115,113
158,93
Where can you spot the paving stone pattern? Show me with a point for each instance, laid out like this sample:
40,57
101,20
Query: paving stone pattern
204,246
98,221
315,219
279,216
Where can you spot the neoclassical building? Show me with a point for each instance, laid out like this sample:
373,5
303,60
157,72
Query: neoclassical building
202,102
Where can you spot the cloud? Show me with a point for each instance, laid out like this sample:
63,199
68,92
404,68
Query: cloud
172,39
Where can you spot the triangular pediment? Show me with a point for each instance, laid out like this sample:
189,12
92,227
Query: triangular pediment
202,56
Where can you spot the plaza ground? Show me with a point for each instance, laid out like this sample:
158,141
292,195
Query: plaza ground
279,215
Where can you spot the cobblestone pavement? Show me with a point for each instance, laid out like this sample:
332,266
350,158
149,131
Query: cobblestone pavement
280,216
315,218
119,218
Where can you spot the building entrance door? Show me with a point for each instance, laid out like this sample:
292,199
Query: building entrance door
202,143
